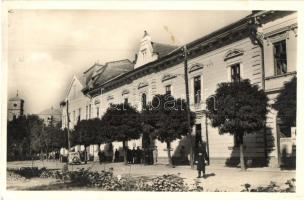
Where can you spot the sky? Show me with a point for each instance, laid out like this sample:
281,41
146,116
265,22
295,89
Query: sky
47,47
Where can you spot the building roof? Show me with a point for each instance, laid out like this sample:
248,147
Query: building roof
92,72
50,111
162,49
109,71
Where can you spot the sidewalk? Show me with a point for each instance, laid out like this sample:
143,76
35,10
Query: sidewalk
219,177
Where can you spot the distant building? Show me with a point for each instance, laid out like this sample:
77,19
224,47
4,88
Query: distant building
50,116
15,107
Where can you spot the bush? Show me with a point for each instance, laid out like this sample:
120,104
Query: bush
271,187
168,183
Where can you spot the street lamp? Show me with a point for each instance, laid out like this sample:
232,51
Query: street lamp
185,55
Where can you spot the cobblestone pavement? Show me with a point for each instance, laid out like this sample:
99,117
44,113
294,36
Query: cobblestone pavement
219,177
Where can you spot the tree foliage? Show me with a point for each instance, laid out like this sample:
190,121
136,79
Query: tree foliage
122,122
240,108
27,135
286,103
166,119
88,132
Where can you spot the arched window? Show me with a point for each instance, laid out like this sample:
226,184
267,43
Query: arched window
144,100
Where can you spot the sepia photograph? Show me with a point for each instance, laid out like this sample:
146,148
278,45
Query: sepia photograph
151,100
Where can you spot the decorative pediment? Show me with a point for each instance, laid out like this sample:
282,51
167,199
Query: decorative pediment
195,67
110,97
126,91
142,84
233,53
168,77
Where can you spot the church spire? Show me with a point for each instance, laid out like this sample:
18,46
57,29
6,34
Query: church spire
17,93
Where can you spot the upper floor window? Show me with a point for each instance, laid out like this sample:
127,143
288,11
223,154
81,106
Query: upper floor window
235,72
144,100
144,53
168,89
280,57
197,89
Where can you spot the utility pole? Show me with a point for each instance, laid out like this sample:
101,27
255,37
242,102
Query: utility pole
68,124
185,51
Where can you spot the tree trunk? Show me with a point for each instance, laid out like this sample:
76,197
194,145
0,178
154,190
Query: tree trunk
125,152
242,158
85,154
169,154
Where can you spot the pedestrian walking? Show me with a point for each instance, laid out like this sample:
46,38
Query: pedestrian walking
201,158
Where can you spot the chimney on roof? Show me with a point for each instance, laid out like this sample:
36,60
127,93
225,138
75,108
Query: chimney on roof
145,34
135,58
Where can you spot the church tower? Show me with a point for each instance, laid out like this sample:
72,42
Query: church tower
15,107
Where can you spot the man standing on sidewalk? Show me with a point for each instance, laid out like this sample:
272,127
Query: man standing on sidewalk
201,158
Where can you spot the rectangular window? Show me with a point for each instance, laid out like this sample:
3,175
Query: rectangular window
280,57
235,73
197,89
168,89
97,112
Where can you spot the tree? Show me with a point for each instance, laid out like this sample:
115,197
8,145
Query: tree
24,137
35,129
16,134
241,109
286,103
122,123
167,117
86,132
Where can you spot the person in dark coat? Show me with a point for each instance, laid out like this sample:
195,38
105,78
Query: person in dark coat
138,155
201,158
116,156
129,156
100,156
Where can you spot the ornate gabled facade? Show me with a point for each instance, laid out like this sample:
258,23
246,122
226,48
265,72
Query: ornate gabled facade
76,104
242,50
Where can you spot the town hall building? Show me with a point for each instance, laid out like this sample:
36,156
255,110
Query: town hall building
261,47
